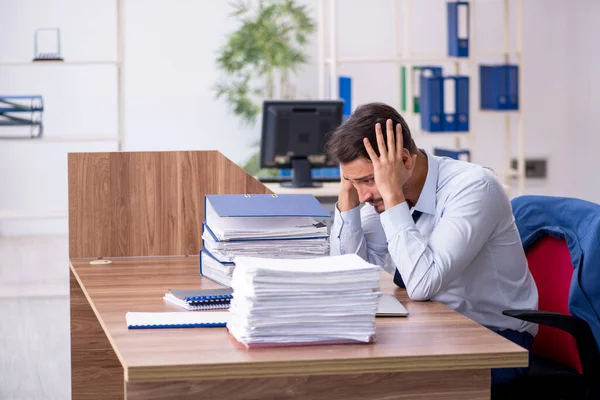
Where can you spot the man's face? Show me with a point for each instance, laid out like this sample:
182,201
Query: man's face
360,173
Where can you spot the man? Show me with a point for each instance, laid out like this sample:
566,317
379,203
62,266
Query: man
447,225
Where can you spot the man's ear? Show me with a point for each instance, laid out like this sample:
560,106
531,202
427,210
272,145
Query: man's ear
406,158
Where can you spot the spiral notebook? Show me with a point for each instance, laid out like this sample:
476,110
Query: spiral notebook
157,320
200,299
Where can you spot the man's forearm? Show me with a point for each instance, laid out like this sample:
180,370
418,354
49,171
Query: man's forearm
347,201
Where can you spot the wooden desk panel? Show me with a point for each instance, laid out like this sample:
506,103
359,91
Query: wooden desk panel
430,385
96,372
432,338
146,203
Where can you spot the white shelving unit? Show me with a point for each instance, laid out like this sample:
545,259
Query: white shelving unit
117,137
328,66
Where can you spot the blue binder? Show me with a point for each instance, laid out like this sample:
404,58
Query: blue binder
424,70
462,103
434,117
432,103
512,92
206,253
266,205
458,29
499,87
345,93
449,115
463,155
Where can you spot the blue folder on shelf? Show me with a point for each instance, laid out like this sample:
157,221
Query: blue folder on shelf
462,103
437,115
345,93
431,103
499,87
458,28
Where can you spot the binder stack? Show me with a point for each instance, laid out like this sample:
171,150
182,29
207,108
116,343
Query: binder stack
444,103
326,300
259,225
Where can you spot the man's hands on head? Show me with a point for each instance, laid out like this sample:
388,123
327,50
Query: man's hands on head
348,197
394,165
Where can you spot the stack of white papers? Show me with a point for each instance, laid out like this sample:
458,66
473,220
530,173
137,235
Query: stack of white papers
225,251
299,301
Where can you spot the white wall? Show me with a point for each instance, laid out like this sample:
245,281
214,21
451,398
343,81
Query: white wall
170,67
579,153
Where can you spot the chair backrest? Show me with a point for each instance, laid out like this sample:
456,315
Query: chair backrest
550,264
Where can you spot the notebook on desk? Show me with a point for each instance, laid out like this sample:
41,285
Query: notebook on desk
200,299
158,320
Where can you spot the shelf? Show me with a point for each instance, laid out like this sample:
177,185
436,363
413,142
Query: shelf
66,138
419,58
441,134
27,214
54,63
510,173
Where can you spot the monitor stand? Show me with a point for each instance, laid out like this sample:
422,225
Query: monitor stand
301,175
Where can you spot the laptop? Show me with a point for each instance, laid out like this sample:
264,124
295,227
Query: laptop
389,306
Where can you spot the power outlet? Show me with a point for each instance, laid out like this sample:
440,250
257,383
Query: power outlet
534,168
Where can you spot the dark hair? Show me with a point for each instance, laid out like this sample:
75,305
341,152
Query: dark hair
346,142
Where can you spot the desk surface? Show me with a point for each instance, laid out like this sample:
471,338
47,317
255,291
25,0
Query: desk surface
328,190
433,337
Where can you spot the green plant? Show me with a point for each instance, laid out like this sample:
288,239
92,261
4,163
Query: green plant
259,57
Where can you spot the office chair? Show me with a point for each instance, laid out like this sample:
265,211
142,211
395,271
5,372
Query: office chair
565,362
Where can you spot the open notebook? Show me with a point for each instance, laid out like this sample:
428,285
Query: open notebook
149,320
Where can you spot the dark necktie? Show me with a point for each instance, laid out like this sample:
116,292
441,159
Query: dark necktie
397,278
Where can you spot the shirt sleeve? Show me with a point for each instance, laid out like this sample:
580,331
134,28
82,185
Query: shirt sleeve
359,231
427,266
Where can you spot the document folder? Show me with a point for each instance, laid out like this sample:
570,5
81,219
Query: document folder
458,29
417,72
431,103
266,205
345,89
462,103
499,86
264,216
445,103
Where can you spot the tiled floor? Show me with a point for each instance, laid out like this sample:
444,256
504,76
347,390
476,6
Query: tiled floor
34,318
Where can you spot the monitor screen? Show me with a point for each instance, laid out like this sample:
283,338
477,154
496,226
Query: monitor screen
298,129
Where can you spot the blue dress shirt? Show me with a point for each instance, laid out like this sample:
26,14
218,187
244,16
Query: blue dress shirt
464,251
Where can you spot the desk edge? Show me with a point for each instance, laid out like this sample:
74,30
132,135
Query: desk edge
327,367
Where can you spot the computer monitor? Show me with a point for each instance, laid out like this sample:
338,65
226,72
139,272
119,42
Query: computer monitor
294,133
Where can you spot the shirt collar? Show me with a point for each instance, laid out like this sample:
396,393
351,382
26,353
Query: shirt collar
427,198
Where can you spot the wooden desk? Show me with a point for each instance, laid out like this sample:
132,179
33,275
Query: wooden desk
328,193
435,352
